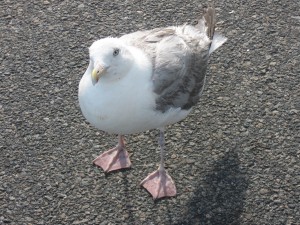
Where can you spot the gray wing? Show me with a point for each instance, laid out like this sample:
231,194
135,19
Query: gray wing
179,72
179,65
179,57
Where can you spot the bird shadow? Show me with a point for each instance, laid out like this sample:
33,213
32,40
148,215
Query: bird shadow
220,196
129,207
112,173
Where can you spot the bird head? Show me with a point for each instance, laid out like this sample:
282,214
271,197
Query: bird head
110,60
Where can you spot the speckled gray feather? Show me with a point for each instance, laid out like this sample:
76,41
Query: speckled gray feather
179,56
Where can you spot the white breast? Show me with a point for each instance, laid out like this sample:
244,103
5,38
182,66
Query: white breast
125,106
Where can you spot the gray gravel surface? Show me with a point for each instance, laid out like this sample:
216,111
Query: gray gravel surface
235,159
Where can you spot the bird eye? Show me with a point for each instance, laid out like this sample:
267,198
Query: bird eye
116,52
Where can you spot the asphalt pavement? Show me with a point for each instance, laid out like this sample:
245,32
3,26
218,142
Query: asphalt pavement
235,159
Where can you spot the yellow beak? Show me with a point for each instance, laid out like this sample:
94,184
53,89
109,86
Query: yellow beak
97,73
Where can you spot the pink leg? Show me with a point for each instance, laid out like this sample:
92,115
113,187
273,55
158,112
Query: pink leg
159,183
115,158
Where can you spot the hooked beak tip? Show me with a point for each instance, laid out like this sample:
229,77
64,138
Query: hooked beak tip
95,76
98,72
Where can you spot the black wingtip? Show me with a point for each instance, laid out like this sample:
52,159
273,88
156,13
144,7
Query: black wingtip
207,22
210,21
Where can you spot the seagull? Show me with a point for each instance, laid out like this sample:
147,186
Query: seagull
146,80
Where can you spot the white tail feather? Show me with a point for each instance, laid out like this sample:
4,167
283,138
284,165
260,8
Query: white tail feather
217,41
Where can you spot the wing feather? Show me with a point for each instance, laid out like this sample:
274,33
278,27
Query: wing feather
179,57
